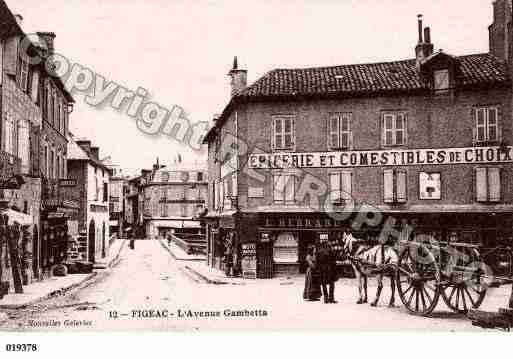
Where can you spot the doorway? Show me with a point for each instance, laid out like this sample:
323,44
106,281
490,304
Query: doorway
92,242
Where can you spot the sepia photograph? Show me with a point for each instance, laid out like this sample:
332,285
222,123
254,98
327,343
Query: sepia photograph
319,166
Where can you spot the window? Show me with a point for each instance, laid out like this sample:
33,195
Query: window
200,176
341,187
49,103
394,129
23,72
58,165
56,110
51,165
441,80
216,195
105,192
283,130
488,184
284,188
9,134
46,154
164,177
227,184
487,125
394,186
286,249
340,131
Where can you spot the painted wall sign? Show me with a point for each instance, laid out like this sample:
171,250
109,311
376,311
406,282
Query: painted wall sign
443,156
67,182
249,260
256,192
430,186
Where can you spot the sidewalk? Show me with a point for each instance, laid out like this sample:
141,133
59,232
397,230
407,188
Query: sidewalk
196,266
47,288
179,254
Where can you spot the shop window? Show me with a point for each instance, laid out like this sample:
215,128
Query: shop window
284,188
394,129
487,129
488,184
285,249
340,131
283,132
341,187
394,186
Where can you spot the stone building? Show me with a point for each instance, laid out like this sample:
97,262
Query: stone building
173,199
305,154
23,119
92,190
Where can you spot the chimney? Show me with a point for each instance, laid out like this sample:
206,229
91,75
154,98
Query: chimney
95,152
19,19
500,30
85,145
239,78
424,47
48,39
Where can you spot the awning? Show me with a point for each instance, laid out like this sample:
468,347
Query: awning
22,218
174,223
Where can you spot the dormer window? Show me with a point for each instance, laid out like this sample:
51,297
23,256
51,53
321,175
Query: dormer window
441,80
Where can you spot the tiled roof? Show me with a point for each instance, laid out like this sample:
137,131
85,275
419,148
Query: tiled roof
479,69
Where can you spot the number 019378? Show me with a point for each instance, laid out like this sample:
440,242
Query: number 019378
21,347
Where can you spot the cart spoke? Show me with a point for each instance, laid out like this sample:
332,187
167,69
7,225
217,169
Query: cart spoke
464,301
411,297
470,296
407,290
422,298
452,294
428,296
416,300
457,298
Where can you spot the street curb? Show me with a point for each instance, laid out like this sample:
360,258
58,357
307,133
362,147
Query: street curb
175,257
116,258
59,291
205,278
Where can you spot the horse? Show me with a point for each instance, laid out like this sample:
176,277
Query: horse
367,260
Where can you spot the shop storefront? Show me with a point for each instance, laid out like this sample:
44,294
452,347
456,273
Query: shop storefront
275,244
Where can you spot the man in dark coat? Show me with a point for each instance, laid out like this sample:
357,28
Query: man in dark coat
328,270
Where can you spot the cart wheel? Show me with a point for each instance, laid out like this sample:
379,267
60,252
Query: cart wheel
464,291
418,279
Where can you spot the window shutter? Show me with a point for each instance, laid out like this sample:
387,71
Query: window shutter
494,184
334,132
335,187
278,188
347,185
290,188
401,186
11,55
388,186
481,186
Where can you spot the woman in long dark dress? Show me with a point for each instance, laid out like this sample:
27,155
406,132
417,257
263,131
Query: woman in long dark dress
312,291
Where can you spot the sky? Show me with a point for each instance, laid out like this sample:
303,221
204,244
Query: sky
181,51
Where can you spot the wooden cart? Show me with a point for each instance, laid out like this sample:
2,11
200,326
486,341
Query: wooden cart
456,272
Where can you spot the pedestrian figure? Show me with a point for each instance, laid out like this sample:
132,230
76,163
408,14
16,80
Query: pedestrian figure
328,272
312,291
132,242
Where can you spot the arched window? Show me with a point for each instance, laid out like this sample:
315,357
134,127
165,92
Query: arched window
285,249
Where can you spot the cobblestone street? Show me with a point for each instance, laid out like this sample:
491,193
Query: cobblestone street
148,289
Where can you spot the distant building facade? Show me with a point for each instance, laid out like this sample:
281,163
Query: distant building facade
92,189
173,199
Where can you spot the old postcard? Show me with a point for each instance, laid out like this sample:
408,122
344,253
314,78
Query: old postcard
244,165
